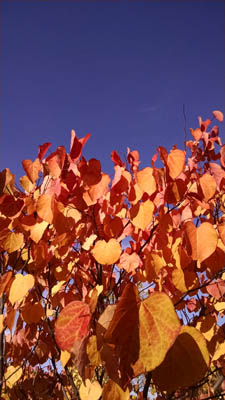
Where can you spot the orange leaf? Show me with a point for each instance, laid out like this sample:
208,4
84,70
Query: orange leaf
90,391
32,169
130,262
72,325
218,115
141,214
37,231
203,240
106,252
187,361
208,186
44,208
13,241
64,357
1,323
146,180
20,287
175,162
196,133
159,327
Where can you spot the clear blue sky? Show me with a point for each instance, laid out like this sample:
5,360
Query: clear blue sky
120,70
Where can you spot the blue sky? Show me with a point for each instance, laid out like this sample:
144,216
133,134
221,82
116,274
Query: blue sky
120,70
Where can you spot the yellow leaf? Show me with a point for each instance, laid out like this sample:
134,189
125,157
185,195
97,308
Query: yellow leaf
220,351
141,214
89,242
186,362
178,280
112,391
12,375
20,287
107,252
158,329
90,391
92,351
220,306
37,231
56,287
13,241
146,180
64,357
26,184
1,322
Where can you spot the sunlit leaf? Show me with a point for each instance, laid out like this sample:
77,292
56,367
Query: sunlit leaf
92,351
12,375
72,325
64,357
90,390
106,252
175,162
44,208
37,231
203,240
218,115
20,287
1,323
141,214
14,241
158,329
208,186
129,262
146,180
32,169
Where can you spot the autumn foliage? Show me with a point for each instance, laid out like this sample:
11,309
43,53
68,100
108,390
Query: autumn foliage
103,281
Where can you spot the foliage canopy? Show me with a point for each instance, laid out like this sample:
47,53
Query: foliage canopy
103,281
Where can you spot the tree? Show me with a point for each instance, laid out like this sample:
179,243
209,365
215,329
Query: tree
103,282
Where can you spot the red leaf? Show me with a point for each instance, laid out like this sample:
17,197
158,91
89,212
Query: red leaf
42,149
72,325
76,145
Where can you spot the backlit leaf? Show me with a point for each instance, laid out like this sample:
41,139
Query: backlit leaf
218,115
37,231
141,214
158,329
12,375
208,186
13,241
175,162
186,362
4,280
146,180
44,208
72,325
32,169
106,252
64,357
203,240
1,323
90,391
130,262
20,287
